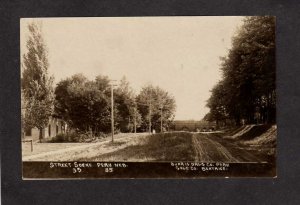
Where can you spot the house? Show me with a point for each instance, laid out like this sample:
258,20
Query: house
55,126
192,125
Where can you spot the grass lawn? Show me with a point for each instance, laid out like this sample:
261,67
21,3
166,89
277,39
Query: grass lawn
158,147
77,151
45,147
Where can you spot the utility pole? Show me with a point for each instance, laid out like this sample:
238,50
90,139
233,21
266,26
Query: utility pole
149,106
161,114
161,119
135,110
112,111
150,116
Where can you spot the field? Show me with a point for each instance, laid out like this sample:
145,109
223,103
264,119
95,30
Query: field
158,147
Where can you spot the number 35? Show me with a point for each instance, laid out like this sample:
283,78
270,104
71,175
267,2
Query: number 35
76,170
109,170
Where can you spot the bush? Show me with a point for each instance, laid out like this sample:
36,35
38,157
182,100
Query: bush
76,137
59,138
102,135
66,137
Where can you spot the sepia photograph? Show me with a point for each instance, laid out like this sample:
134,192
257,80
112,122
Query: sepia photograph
148,97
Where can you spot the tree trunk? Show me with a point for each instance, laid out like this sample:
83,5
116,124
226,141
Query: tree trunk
40,134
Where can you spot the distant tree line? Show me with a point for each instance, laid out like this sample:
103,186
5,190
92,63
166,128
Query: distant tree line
247,90
85,105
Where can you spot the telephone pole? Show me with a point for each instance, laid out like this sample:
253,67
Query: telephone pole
149,106
112,111
135,110
161,119
150,116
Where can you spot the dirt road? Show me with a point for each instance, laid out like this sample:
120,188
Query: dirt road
210,148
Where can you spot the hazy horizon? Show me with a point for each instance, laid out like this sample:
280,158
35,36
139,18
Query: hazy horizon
178,54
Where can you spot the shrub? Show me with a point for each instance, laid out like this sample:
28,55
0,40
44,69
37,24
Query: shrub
66,137
73,137
76,137
60,138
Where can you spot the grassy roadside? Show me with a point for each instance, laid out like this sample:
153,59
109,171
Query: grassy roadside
158,147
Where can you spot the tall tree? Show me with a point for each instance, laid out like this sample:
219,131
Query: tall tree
217,104
156,106
129,117
249,72
84,104
36,82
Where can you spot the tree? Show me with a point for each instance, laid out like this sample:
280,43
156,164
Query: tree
156,106
84,104
217,104
129,118
249,73
36,83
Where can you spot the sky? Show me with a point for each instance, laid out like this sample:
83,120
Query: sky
179,54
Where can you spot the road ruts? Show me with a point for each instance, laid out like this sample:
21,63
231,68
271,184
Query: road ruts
208,149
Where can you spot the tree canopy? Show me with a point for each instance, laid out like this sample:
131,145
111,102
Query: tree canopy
156,104
128,116
84,104
247,89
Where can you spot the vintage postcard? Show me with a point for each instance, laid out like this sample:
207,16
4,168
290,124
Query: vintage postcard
148,97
